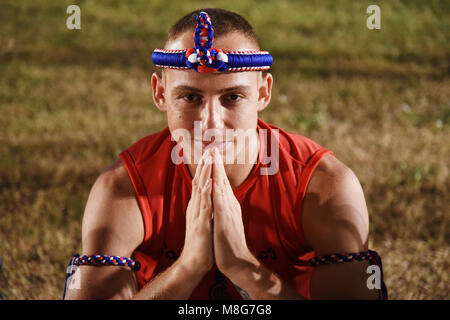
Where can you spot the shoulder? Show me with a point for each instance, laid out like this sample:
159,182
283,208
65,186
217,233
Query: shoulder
151,145
330,172
112,219
115,180
293,146
335,217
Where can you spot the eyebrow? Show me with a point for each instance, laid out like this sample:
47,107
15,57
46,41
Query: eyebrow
193,89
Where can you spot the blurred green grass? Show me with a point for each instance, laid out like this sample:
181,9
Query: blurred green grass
70,101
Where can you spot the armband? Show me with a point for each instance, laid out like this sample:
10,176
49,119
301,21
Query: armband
372,256
101,259
96,260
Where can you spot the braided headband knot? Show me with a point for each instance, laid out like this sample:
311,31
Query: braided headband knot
204,58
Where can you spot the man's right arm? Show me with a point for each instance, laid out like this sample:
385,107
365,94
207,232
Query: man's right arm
113,225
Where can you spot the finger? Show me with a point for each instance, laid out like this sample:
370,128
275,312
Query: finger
195,198
219,178
198,171
202,174
206,203
218,198
205,173
219,174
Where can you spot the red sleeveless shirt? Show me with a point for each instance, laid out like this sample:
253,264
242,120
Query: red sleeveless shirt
271,208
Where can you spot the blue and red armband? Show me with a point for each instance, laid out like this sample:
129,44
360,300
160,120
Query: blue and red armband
96,260
372,256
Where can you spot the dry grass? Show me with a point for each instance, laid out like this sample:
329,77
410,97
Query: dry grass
71,101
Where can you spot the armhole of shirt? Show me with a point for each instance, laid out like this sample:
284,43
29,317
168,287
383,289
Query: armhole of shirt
305,177
141,193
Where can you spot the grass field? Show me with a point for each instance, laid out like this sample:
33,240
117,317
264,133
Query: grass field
71,100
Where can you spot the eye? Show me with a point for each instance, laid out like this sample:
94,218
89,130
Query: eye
191,98
233,98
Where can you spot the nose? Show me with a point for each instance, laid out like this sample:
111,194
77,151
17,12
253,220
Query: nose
212,115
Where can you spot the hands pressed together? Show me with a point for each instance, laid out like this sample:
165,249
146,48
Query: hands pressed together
214,227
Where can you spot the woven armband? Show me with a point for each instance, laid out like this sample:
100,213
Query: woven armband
95,260
104,260
372,256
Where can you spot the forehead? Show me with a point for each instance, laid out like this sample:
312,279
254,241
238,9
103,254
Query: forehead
217,82
230,42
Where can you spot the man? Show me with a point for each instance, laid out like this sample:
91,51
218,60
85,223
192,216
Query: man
218,228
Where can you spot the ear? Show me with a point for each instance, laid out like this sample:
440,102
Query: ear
265,90
158,88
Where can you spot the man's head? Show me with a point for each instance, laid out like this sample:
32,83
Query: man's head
220,102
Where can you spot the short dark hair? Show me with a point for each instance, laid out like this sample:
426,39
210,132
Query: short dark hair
223,22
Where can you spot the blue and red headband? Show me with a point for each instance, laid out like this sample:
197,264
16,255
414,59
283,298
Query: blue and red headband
204,58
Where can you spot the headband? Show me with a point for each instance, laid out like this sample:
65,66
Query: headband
204,58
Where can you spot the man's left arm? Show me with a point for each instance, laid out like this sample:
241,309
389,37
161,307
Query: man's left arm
335,220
